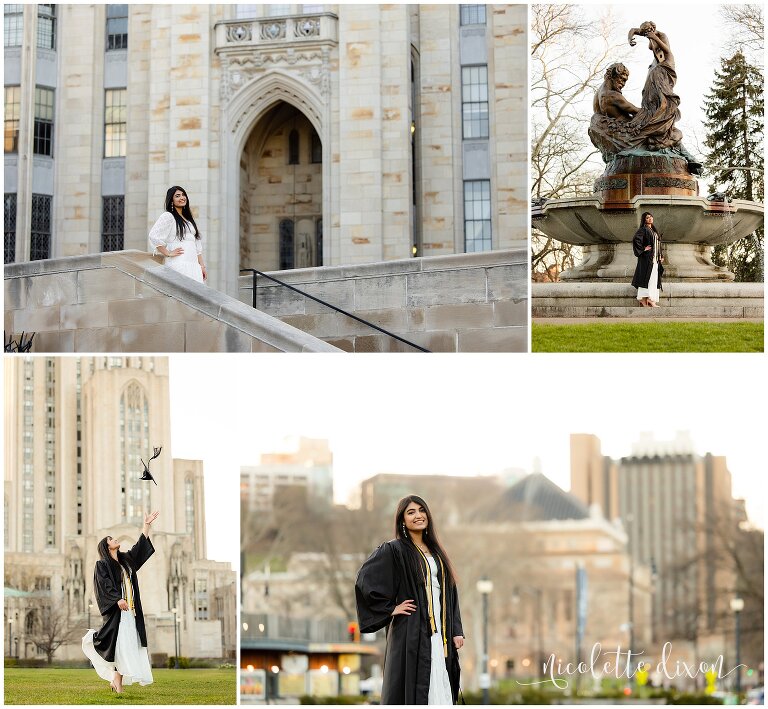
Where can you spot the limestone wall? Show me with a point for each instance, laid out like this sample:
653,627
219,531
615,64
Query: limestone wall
457,303
127,302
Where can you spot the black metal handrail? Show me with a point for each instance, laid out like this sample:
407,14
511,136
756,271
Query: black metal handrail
328,305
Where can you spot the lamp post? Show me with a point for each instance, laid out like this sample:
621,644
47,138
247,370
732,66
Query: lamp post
737,605
485,588
175,638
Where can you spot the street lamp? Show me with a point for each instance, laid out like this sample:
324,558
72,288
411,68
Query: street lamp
175,637
485,588
737,605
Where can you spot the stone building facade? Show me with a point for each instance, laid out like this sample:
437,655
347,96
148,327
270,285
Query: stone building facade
75,430
305,135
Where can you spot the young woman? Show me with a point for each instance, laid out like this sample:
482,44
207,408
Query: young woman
176,236
118,650
408,586
646,244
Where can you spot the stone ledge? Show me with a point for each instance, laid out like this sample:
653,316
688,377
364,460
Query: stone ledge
160,280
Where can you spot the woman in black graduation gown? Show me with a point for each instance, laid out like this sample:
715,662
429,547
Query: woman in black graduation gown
646,245
118,650
408,586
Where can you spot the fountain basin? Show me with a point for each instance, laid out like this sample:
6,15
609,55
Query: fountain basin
680,219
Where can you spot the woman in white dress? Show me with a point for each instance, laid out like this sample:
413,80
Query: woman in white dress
176,236
408,586
118,650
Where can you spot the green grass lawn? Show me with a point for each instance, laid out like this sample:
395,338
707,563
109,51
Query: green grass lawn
72,686
648,337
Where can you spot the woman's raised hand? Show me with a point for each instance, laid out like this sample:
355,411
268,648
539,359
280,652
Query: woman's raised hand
151,517
405,608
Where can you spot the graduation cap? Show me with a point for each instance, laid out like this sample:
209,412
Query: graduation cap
146,475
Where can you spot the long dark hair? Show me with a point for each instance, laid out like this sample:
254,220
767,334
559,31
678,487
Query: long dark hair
103,548
186,212
429,537
642,222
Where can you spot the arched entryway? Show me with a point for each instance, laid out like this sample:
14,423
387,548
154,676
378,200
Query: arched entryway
281,192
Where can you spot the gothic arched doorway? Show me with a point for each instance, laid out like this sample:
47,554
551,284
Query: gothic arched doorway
281,192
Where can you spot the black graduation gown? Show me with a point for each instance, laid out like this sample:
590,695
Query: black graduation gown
384,581
644,237
107,585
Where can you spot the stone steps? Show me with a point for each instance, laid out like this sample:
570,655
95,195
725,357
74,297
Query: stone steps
706,312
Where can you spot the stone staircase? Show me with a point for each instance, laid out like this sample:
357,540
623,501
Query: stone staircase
704,301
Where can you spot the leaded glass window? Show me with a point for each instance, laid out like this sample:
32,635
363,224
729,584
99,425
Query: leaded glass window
43,139
115,131
286,244
40,247
13,25
46,26
9,226
472,14
474,101
112,222
117,27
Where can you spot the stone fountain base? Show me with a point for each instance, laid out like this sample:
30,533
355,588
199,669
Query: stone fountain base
685,300
616,262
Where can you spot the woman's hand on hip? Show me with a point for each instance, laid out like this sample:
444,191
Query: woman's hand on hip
647,248
122,604
405,608
458,641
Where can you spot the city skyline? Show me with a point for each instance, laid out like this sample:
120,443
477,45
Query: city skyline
425,433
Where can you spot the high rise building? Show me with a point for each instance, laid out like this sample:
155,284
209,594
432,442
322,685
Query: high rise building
305,135
305,470
75,431
678,510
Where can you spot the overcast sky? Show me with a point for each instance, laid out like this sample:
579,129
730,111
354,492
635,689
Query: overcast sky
464,415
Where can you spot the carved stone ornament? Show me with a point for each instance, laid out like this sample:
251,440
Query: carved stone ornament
239,33
273,30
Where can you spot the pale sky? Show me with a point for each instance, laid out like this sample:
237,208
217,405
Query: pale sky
697,37
464,415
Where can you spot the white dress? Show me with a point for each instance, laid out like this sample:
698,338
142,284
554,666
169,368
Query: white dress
439,684
131,659
652,291
163,233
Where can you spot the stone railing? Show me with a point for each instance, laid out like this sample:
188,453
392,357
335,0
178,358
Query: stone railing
126,301
460,303
263,32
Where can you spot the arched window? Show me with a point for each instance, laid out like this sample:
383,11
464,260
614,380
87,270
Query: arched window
293,147
319,241
286,244
134,444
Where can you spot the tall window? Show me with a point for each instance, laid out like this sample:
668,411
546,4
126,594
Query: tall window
286,244
472,14
13,21
50,452
201,598
112,222
28,477
9,226
274,10
189,503
477,215
115,132
293,147
12,115
474,101
117,27
43,143
46,26
134,442
317,148
40,248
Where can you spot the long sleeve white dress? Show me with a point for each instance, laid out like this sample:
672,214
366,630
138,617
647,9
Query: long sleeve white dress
439,683
163,233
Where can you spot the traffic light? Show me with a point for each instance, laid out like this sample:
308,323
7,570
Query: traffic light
353,629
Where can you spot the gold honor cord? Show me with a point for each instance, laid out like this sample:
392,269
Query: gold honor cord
428,587
128,591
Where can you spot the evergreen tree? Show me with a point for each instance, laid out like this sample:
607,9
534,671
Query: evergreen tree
734,125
